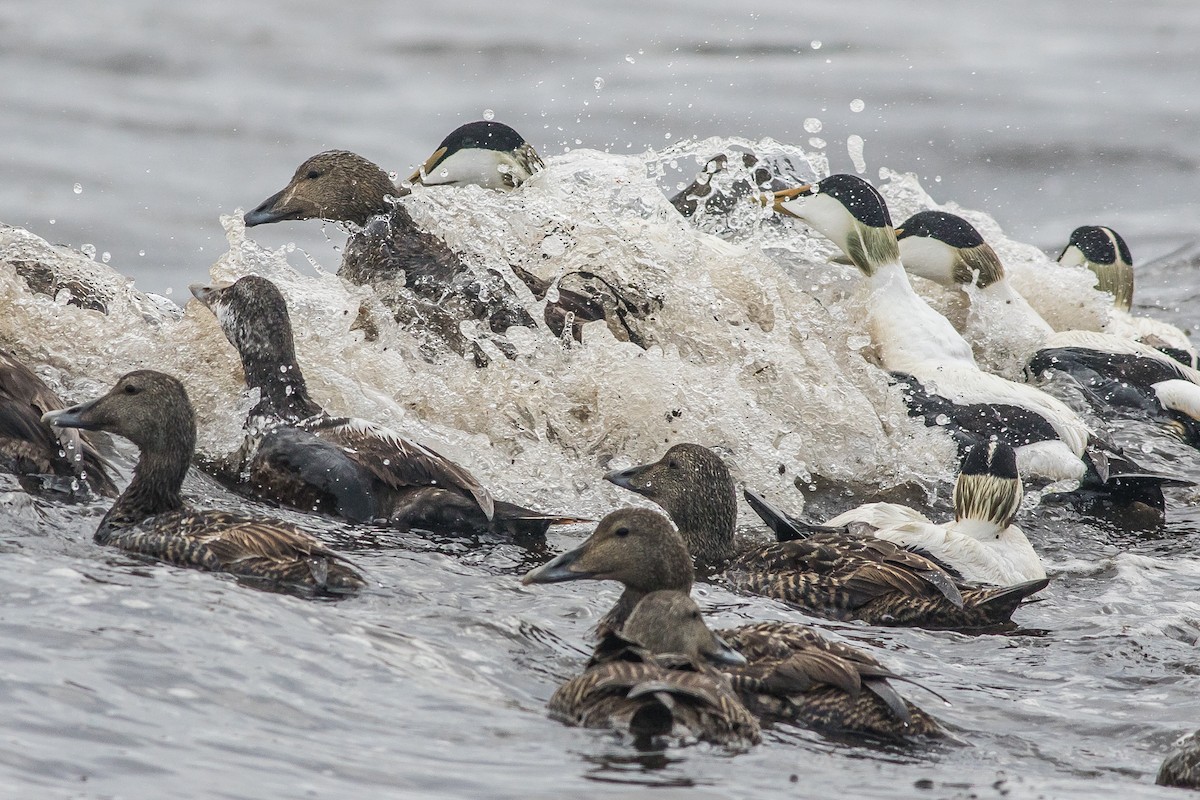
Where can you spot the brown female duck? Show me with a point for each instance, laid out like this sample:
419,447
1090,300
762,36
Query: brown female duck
829,573
150,518
793,672
654,679
301,456
32,449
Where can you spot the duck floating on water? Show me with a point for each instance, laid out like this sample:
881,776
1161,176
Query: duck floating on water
654,679
1115,371
303,457
1181,768
944,385
42,457
831,573
150,518
792,672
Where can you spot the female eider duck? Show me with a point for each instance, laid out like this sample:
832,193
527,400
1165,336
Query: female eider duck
1104,252
831,573
150,518
981,545
923,351
1115,370
1181,768
655,679
301,456
792,672
40,456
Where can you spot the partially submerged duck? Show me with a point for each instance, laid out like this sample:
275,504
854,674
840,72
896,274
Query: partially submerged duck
793,673
62,460
150,518
655,679
303,457
1181,768
1104,252
1115,371
981,545
945,386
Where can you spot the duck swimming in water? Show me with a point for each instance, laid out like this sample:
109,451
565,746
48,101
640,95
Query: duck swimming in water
981,545
41,456
792,672
150,518
944,384
1116,371
654,679
1104,252
301,456
829,573
1181,768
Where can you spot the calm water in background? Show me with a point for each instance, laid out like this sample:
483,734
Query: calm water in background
119,679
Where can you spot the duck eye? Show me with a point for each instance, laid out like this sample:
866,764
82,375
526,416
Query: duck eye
672,464
695,615
622,532
313,174
131,389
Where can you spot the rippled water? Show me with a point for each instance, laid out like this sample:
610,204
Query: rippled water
127,679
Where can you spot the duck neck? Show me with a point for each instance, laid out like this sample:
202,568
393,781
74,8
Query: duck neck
283,392
707,525
155,489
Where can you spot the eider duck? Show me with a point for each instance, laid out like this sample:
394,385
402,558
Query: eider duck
654,679
299,455
150,518
485,153
924,352
40,456
793,673
833,574
1104,252
1114,370
981,545
1181,768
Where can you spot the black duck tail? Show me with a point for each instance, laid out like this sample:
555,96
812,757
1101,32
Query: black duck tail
1124,482
786,528
514,520
998,605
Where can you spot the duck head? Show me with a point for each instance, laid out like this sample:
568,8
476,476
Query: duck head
988,488
669,621
696,489
849,212
336,185
1104,252
485,153
947,249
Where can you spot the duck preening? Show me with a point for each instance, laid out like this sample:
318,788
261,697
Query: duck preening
305,458
792,672
41,456
152,410
945,387
829,573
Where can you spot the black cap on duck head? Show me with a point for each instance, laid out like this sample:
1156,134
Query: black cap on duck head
988,487
949,228
697,491
947,249
849,212
336,185
634,546
669,621
150,409
1104,252
486,153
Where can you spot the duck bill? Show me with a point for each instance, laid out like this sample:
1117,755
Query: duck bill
205,294
559,569
429,166
725,655
274,209
792,197
628,478
77,416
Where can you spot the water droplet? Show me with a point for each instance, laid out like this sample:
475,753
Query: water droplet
598,83
141,252
88,250
812,125
667,135
630,59
858,342
854,146
816,141
857,105
106,256
815,44
78,188
488,114
942,420
53,221
937,178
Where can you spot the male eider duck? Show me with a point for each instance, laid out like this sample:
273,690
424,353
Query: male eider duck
485,153
150,518
832,573
655,679
981,545
1115,370
301,456
792,672
42,457
922,349
1104,252
1181,768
